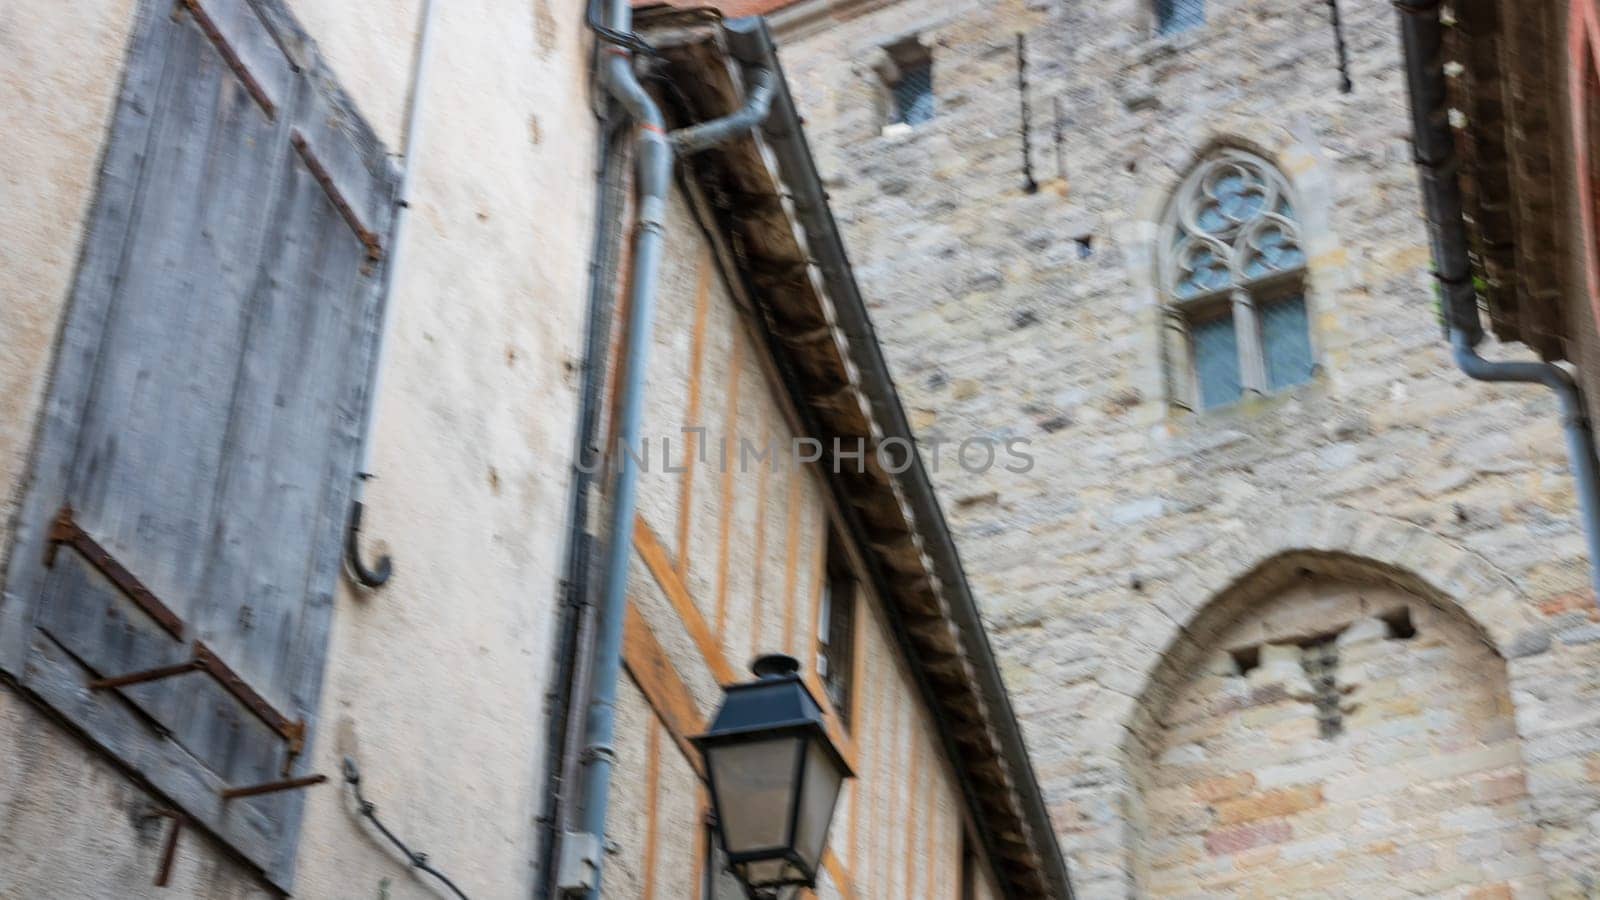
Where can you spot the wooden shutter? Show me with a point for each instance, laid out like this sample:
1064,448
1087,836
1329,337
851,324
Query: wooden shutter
202,422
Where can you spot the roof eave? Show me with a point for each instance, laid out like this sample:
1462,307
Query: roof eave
837,376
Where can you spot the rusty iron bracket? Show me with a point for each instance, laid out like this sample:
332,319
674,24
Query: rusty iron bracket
142,676
64,530
169,851
272,787
320,172
206,660
252,85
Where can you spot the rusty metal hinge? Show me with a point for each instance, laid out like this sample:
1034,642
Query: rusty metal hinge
64,530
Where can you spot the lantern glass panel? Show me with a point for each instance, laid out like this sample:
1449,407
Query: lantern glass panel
818,793
755,791
768,872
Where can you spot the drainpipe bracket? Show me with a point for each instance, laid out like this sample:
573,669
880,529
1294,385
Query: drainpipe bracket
579,868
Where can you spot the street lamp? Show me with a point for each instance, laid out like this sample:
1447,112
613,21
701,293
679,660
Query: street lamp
775,777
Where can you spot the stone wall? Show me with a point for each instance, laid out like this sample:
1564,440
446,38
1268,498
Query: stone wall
1036,315
1340,727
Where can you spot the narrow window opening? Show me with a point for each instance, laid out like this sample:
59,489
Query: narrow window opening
1177,16
836,629
1399,624
908,80
1085,244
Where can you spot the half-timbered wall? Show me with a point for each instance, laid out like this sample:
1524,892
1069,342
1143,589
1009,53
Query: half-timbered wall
730,563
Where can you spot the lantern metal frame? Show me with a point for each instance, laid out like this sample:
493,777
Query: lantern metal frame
778,675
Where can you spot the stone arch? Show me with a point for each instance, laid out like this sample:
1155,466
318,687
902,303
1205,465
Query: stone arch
1335,540
1294,152
1251,562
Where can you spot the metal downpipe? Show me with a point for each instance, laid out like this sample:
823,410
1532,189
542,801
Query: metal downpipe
654,179
378,574
1574,422
1422,34
654,173
757,105
568,675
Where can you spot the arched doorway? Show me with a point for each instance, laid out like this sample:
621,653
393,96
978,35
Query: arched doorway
1336,736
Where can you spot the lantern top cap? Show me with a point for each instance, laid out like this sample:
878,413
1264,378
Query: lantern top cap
775,665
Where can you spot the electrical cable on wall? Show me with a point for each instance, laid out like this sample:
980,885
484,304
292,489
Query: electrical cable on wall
369,811
612,36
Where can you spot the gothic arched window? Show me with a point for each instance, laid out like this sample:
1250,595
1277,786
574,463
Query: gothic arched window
1233,279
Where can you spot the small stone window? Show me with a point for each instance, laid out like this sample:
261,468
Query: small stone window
1175,16
906,69
1233,277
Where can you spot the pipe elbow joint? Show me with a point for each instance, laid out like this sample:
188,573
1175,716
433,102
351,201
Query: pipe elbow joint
752,114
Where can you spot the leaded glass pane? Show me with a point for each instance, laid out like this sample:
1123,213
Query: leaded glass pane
1173,16
913,94
1236,196
1216,361
1286,343
1272,249
1202,271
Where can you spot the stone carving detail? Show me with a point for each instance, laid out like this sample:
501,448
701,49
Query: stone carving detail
1232,223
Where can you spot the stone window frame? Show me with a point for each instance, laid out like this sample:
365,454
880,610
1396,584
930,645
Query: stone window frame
889,62
1295,154
1583,36
1237,245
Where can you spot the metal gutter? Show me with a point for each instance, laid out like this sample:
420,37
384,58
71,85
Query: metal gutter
1422,34
583,868
750,42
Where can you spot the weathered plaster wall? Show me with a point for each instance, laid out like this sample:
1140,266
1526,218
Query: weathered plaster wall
1136,515
735,554
435,684
61,75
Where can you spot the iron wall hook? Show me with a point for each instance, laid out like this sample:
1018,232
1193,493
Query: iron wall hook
378,575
